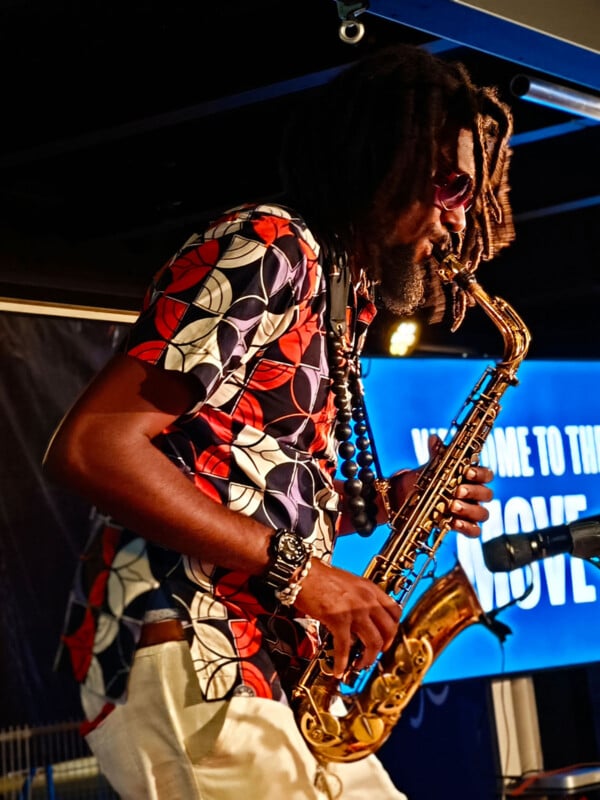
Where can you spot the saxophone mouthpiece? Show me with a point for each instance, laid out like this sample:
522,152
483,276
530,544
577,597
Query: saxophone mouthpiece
449,267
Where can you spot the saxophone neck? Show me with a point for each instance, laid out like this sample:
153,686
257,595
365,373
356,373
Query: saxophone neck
514,332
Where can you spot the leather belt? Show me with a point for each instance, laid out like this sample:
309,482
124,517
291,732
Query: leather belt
167,630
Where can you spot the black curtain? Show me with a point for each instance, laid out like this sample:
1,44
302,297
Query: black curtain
45,362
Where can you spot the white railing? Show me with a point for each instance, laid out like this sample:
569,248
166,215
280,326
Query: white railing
39,763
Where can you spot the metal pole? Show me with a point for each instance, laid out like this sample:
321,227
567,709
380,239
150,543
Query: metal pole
554,96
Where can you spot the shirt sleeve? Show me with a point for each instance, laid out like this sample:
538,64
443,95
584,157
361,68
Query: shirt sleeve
224,296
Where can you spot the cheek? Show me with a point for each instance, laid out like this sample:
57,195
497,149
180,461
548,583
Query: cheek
423,250
415,226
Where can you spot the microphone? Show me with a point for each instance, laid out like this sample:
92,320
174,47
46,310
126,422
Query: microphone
580,538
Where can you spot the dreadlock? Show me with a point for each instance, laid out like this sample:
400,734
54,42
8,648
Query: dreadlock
366,147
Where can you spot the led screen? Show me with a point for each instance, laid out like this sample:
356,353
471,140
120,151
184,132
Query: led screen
545,452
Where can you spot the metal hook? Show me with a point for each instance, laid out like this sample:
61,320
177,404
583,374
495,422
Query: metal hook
351,31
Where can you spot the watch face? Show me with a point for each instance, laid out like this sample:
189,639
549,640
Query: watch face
288,554
291,548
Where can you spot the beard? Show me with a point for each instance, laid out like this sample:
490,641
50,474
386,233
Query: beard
402,281
405,286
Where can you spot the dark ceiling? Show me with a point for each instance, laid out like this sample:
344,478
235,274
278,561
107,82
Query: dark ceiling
124,121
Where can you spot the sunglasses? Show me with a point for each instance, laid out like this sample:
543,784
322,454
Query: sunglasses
453,191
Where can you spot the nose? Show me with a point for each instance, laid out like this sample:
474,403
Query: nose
454,219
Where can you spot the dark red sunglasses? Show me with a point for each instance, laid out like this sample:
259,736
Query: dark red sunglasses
453,191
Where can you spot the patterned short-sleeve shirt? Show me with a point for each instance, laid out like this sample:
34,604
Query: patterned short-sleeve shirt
241,307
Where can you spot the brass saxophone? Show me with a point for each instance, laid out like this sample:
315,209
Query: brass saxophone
350,719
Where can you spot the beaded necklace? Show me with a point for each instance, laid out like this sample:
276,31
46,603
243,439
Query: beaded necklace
359,456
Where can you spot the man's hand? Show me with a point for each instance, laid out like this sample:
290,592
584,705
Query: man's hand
468,513
351,608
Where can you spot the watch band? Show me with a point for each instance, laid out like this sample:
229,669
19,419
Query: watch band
289,555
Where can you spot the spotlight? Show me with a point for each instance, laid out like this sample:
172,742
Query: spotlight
404,338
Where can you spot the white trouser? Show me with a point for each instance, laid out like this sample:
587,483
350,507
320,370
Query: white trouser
166,743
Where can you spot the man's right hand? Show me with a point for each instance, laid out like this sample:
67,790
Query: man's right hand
351,608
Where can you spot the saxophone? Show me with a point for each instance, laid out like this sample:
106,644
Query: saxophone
350,719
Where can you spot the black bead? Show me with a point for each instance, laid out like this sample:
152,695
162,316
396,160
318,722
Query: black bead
365,458
343,432
346,450
356,505
344,371
362,442
340,401
360,521
367,477
353,488
366,529
349,469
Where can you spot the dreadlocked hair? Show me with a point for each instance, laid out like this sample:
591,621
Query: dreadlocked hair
489,226
364,148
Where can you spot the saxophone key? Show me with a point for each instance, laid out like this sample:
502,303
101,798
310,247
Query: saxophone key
368,728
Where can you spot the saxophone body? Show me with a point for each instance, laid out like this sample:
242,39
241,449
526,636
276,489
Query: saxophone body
348,720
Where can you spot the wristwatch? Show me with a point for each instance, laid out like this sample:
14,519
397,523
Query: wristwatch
289,554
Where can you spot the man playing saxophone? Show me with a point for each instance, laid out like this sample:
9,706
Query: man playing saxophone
210,445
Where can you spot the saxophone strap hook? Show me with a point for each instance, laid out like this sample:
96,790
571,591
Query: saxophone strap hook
339,286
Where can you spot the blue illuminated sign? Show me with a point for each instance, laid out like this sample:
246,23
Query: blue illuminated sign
545,452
